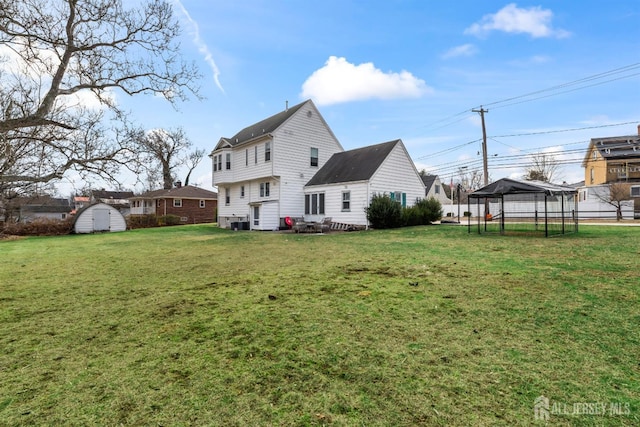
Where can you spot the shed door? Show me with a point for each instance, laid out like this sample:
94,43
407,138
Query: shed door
101,220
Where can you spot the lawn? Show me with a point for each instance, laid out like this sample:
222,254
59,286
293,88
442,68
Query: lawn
193,325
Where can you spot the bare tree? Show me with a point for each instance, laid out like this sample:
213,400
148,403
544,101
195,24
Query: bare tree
63,63
193,159
164,153
618,192
543,167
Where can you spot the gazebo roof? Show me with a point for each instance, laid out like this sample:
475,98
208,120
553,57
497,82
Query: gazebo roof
513,186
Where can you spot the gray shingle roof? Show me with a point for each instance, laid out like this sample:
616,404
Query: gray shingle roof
263,127
185,192
616,147
428,181
353,165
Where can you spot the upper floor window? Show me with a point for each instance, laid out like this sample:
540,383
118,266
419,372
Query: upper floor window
267,151
436,189
177,203
635,191
220,162
215,163
346,200
595,155
228,161
246,157
591,175
314,156
255,154
242,191
202,203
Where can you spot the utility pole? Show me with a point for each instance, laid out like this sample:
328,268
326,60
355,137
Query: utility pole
485,164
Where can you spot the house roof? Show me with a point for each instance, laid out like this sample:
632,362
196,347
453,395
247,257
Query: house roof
263,127
102,194
615,148
512,186
428,180
185,192
354,165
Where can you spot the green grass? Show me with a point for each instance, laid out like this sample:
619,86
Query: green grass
193,325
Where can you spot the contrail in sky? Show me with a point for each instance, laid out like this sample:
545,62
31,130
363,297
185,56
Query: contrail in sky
202,46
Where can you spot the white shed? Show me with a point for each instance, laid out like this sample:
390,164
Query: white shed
99,217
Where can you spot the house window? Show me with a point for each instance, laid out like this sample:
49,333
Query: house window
220,162
246,157
591,175
242,191
202,203
399,197
314,204
177,203
215,163
635,191
264,189
436,189
267,151
227,196
314,157
346,201
595,155
228,161
255,154
159,204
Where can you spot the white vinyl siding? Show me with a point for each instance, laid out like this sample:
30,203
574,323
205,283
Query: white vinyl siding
397,173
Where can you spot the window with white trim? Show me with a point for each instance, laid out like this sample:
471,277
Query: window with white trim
264,189
242,191
246,157
314,204
177,203
203,203
227,196
255,154
346,201
267,151
314,157
228,161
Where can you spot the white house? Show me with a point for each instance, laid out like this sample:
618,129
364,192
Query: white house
292,165
261,171
344,186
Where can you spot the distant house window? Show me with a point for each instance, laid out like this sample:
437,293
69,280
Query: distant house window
159,204
399,197
242,191
177,203
220,162
227,196
635,191
255,154
215,163
314,157
228,161
264,189
246,157
436,189
591,175
267,151
202,203
346,201
595,155
314,204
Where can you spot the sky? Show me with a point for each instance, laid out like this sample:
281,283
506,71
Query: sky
552,75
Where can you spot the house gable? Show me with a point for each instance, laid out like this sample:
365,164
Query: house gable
612,159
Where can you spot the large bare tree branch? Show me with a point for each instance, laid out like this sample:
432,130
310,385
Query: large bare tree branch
57,50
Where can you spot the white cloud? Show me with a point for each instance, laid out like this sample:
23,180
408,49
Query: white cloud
340,81
534,21
201,45
462,50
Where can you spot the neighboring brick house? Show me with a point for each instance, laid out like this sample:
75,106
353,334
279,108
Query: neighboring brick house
192,204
